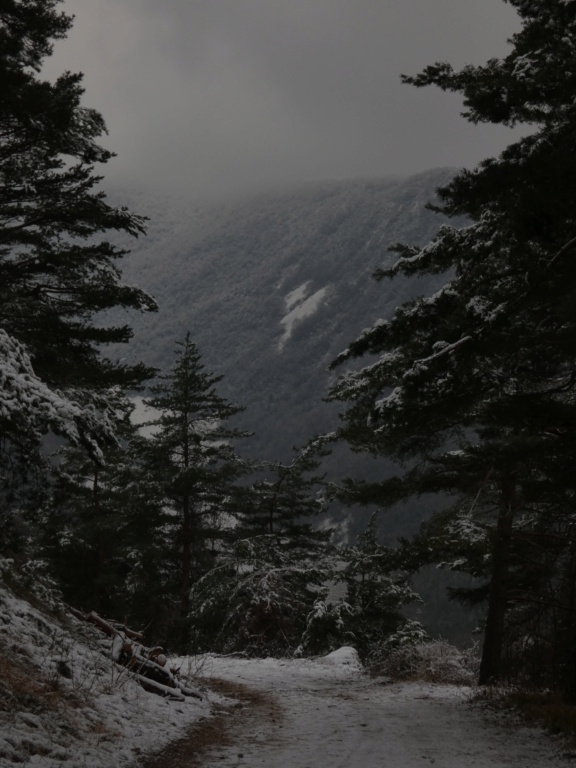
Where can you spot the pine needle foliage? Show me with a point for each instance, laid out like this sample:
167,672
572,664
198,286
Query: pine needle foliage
58,269
473,388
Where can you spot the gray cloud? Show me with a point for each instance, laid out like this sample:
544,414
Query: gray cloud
221,96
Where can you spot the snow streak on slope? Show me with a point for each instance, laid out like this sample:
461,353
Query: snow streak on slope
299,306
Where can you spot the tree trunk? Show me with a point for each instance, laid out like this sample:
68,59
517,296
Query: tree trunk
569,686
491,662
186,531
186,555
100,564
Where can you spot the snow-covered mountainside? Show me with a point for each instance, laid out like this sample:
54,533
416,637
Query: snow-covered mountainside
273,288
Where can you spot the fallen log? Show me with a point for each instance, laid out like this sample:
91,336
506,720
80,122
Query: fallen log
94,618
187,691
139,636
151,669
162,690
109,627
148,665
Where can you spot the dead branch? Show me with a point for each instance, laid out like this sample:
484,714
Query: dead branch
162,690
148,665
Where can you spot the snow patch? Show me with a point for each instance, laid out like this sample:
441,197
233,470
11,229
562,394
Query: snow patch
296,296
333,715
300,306
344,657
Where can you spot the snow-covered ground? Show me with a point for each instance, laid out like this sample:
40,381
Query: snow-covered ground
64,702
333,716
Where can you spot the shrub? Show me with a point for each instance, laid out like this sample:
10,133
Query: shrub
436,661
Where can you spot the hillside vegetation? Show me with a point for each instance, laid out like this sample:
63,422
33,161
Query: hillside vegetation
273,288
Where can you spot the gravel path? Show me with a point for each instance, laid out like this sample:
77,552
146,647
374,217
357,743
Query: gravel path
314,715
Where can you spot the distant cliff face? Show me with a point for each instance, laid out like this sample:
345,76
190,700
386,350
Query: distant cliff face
273,288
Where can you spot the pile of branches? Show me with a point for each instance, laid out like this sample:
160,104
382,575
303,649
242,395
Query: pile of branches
148,665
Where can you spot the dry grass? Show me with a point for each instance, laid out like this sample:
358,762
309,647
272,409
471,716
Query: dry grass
433,662
22,685
547,710
544,709
25,688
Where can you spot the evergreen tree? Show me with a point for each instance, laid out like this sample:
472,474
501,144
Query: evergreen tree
262,589
289,499
376,592
57,269
104,532
190,456
258,597
369,616
473,389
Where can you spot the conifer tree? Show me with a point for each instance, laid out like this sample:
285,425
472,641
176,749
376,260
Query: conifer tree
190,456
58,269
287,501
258,597
376,592
104,533
262,589
474,386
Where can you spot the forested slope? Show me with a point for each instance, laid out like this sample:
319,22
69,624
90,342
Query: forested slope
272,288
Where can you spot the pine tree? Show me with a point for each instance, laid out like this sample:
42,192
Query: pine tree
376,593
260,593
288,500
474,386
190,456
58,270
104,533
258,597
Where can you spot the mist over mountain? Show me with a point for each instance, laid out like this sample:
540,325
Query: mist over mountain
274,287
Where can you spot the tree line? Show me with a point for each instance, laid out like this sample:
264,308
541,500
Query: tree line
470,391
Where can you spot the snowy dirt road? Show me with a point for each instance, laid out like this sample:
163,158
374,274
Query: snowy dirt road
328,714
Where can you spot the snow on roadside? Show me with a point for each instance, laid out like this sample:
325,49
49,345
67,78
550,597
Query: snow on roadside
63,700
340,665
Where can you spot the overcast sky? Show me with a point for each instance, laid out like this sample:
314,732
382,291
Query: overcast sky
219,96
